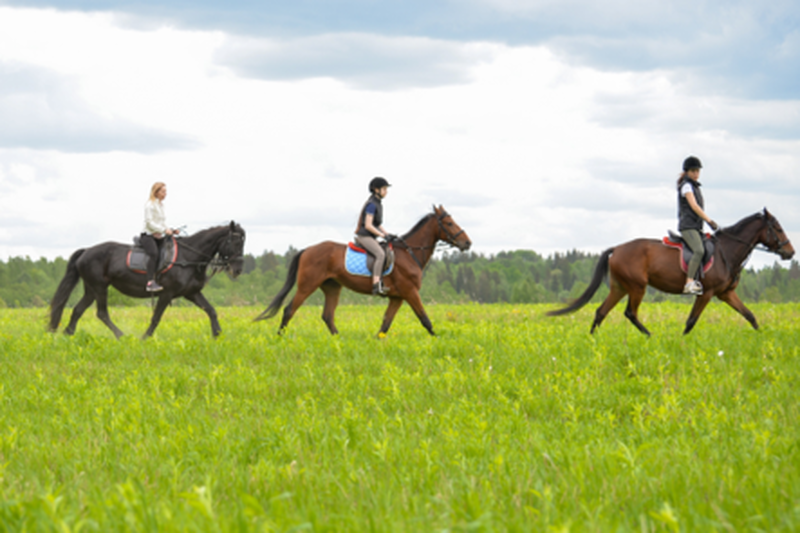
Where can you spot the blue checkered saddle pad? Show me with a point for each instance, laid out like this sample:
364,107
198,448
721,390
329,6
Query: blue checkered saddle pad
355,261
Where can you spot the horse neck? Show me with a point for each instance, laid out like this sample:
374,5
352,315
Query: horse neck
737,247
423,241
205,242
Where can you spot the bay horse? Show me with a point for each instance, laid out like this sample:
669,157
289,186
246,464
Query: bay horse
322,266
641,262
104,264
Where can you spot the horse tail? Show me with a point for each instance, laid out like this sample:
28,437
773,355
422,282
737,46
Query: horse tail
65,288
291,278
600,272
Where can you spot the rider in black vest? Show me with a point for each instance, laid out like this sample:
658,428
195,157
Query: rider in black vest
690,220
370,226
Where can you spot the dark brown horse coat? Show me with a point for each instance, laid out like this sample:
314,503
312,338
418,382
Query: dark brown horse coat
641,262
322,266
105,265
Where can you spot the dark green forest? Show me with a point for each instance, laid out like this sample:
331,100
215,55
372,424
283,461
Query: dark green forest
520,276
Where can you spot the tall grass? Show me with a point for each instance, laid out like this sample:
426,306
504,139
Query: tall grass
507,421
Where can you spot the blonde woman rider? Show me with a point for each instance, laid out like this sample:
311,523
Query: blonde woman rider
155,230
690,220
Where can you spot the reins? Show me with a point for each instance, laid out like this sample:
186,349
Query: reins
214,261
751,245
450,241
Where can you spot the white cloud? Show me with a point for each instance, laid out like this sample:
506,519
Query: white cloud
42,110
362,60
642,106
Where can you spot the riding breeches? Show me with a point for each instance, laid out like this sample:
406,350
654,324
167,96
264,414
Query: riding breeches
151,247
375,249
695,242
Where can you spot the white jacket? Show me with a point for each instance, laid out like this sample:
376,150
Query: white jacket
155,220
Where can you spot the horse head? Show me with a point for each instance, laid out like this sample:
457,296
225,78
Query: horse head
449,231
774,238
231,251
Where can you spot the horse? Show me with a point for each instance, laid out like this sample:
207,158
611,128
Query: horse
322,266
641,262
104,264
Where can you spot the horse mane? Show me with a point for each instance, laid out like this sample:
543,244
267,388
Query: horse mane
739,226
424,220
205,231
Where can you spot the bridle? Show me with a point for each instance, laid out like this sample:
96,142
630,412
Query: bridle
449,240
772,236
217,261
221,259
772,233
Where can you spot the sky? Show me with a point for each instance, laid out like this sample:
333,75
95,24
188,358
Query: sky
538,124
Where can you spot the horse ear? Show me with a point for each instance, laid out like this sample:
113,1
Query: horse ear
233,225
434,207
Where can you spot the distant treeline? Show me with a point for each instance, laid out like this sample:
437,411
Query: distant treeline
513,277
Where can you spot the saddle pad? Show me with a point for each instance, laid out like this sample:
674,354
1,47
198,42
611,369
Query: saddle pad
355,262
684,264
137,257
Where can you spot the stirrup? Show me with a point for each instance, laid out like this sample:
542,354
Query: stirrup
152,286
378,289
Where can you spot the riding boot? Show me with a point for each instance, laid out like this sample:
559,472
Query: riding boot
378,289
693,287
151,248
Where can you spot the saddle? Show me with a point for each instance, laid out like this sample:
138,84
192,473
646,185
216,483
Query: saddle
359,263
674,240
137,257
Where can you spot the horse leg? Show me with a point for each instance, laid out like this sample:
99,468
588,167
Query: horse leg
77,312
303,291
699,304
635,297
200,301
613,298
391,311
161,306
331,288
415,302
732,299
102,311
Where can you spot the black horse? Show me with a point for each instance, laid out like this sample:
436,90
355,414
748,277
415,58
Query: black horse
105,264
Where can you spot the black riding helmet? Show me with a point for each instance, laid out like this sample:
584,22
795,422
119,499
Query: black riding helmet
691,162
377,183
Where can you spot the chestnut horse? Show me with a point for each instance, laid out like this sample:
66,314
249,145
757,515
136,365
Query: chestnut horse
322,266
642,262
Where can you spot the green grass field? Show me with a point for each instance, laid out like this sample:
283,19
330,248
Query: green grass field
507,421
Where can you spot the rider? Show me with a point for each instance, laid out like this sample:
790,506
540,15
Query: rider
690,220
370,227
155,230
